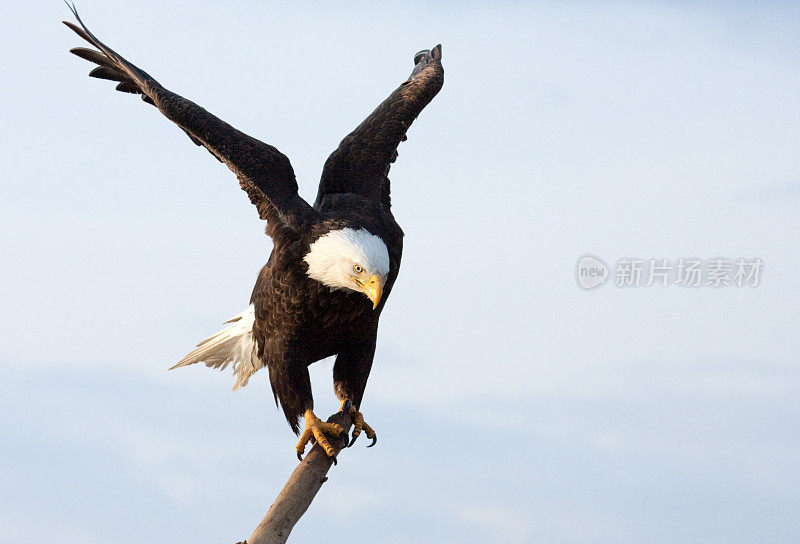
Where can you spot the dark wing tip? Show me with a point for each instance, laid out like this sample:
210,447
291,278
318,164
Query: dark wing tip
128,87
425,57
92,56
77,30
428,54
73,9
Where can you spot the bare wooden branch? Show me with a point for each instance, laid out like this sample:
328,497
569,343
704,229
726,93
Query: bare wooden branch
301,488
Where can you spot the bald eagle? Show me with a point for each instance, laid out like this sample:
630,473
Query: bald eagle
332,265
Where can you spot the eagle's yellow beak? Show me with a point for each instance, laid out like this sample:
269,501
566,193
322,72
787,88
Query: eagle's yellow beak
373,288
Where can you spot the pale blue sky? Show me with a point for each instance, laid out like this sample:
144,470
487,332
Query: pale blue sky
511,405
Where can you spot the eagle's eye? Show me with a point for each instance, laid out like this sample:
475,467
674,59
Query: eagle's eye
358,268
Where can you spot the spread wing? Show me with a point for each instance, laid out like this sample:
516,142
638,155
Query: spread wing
264,172
361,163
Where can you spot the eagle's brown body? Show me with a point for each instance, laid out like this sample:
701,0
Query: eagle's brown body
300,321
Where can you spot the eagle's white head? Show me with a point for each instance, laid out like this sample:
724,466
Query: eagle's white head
351,259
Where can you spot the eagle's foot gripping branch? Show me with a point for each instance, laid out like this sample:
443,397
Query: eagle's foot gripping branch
358,424
315,432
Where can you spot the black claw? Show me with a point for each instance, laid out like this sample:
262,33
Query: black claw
374,440
334,460
299,456
353,441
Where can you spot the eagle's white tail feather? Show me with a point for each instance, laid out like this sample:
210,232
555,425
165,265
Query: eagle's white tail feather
233,344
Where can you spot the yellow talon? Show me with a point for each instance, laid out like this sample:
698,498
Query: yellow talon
315,431
358,425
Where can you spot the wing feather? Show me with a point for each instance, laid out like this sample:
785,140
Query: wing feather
361,163
263,172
